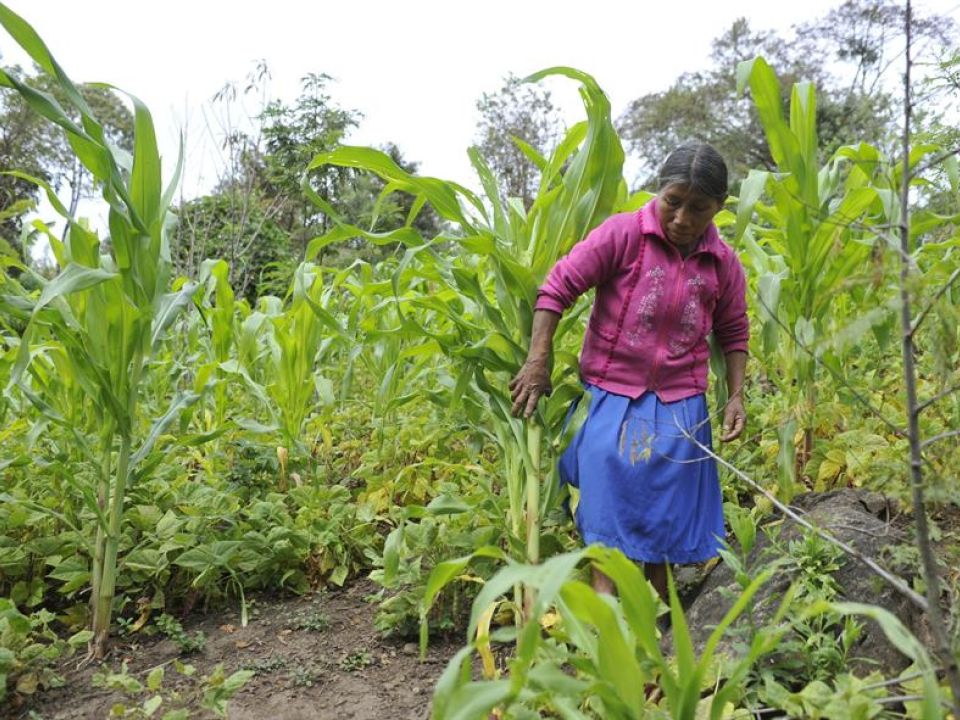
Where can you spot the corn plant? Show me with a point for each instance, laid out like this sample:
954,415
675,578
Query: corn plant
475,304
277,350
296,338
105,312
810,250
218,307
612,644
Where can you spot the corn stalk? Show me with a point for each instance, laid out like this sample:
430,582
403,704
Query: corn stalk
478,309
105,313
810,244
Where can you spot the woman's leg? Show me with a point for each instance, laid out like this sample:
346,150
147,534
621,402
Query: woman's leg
602,583
657,575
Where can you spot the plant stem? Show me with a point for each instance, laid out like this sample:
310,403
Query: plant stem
108,580
103,488
534,437
929,561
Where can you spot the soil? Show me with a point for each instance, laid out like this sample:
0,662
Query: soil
303,669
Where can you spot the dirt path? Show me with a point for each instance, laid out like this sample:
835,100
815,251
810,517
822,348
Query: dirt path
316,657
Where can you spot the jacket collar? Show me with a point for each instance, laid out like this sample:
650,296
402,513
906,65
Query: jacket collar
650,225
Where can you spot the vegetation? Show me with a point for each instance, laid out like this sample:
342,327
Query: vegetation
301,379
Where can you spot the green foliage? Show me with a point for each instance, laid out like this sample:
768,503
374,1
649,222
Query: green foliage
518,127
31,650
480,315
612,645
281,426
186,643
145,698
356,661
847,53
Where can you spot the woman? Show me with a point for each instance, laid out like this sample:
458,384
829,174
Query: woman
664,280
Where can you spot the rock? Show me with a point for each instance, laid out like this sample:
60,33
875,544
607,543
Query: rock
859,519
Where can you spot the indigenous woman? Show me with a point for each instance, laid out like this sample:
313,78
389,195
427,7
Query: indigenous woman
664,281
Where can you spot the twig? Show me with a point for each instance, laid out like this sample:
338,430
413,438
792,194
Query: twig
893,681
929,562
899,699
895,581
935,161
939,396
937,438
940,293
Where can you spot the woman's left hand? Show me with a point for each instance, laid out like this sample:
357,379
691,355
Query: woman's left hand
734,419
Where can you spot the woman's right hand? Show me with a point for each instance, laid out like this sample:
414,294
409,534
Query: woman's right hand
528,386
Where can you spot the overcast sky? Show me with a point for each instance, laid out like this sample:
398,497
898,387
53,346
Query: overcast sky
414,68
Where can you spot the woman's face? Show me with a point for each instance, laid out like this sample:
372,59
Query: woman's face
685,214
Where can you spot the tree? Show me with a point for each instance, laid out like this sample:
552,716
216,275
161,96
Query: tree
517,111
257,217
846,54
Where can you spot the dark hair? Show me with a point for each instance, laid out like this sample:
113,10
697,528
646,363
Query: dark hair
698,165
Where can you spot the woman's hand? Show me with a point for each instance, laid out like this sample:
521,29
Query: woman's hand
734,419
531,382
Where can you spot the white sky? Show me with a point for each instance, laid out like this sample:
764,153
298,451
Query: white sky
414,69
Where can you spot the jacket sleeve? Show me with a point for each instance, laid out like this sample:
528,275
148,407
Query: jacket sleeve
730,324
589,263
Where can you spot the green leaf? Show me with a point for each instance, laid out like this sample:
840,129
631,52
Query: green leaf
750,191
80,638
155,679
73,279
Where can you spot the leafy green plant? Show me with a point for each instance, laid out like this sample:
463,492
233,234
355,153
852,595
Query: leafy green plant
186,643
314,621
303,676
810,249
612,645
209,692
30,650
104,313
357,660
479,308
265,666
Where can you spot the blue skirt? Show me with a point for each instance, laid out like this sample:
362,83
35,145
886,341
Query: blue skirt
645,488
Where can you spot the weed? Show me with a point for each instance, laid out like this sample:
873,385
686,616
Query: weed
265,666
314,621
144,698
187,644
303,676
356,661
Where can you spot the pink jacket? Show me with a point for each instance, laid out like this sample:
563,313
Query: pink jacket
653,308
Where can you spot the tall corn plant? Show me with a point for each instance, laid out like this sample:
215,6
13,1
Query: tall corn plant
808,242
481,298
278,347
105,312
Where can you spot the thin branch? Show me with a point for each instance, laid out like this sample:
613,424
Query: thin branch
893,681
895,581
928,560
937,438
934,161
936,398
954,276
